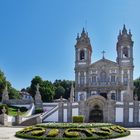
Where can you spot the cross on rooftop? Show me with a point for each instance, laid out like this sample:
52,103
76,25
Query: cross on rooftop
103,52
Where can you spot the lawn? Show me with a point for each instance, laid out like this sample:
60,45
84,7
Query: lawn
12,111
73,131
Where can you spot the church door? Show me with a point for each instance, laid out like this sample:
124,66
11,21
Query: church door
96,115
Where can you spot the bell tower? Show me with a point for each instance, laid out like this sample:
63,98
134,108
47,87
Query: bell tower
83,51
124,49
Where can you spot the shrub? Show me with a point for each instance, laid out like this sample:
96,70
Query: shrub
23,109
118,129
78,119
1,107
105,129
92,130
53,133
69,134
38,132
38,110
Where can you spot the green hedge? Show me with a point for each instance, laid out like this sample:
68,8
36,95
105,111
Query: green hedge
38,110
78,119
53,133
43,133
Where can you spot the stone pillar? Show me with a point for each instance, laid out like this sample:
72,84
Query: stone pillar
72,93
82,110
60,112
4,117
136,113
5,96
38,100
38,120
18,118
69,112
126,114
109,112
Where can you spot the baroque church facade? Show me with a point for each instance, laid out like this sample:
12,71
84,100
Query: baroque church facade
112,80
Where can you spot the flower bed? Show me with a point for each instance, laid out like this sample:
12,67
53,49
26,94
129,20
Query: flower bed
66,131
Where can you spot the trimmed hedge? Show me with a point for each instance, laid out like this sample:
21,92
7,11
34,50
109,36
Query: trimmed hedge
78,119
38,110
43,133
53,133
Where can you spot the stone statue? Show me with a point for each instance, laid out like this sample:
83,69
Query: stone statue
5,95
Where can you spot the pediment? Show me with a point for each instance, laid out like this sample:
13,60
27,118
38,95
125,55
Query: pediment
105,63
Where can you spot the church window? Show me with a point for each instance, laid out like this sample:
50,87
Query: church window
82,55
103,76
125,78
93,79
112,78
125,52
113,96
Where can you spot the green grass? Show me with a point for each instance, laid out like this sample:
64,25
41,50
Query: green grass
12,111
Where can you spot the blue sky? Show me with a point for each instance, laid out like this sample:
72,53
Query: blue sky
37,37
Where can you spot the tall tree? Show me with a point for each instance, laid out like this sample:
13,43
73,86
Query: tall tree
47,89
13,93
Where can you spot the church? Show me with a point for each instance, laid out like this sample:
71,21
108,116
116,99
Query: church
103,89
104,77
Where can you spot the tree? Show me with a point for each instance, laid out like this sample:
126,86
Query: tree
137,87
2,83
13,93
60,91
46,89
32,89
66,84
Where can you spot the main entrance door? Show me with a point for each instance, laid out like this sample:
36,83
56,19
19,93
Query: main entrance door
96,115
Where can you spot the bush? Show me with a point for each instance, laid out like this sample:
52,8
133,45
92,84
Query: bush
23,109
53,133
38,110
1,107
38,132
78,119
69,134
118,129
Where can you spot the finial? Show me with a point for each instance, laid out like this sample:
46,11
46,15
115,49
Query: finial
37,87
124,29
103,52
83,30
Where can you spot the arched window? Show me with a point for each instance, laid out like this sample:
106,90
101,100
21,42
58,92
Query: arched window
125,52
113,96
82,55
103,76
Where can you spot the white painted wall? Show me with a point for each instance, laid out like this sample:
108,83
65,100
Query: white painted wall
52,118
75,112
119,114
47,108
130,114
11,119
27,106
65,115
